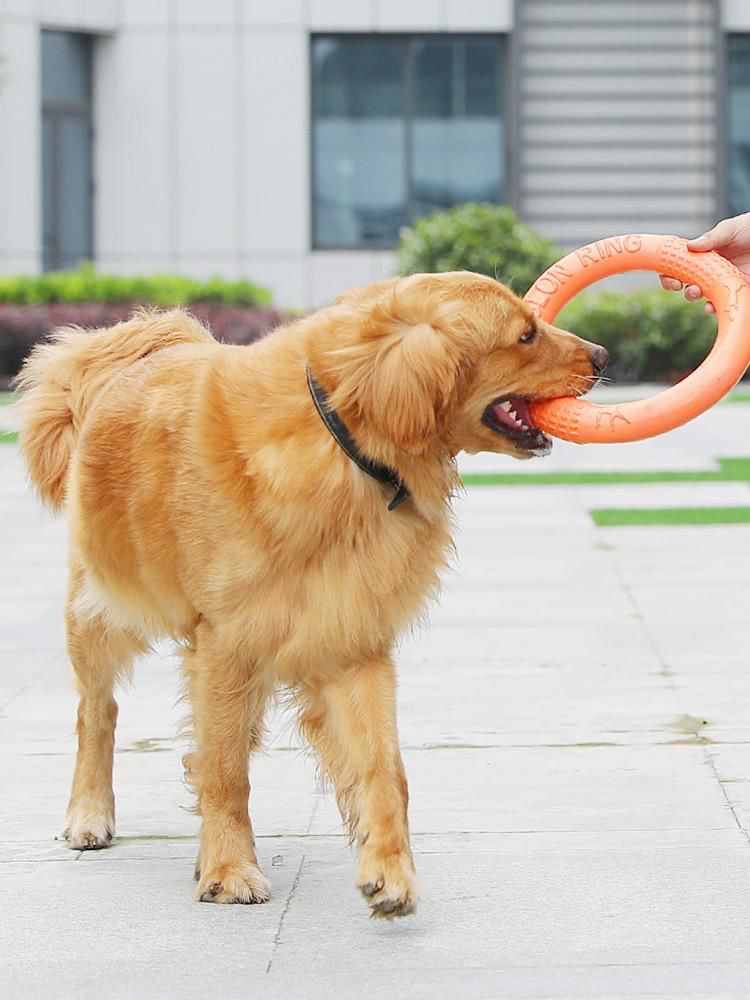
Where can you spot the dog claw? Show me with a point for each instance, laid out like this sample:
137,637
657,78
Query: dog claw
88,840
387,909
389,885
242,886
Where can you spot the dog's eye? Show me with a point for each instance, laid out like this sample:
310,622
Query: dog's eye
527,336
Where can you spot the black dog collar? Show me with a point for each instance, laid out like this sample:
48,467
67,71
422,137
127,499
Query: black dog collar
343,438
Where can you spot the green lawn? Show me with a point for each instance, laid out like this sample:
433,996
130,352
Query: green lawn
7,437
615,517
730,470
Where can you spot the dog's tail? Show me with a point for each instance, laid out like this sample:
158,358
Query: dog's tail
61,378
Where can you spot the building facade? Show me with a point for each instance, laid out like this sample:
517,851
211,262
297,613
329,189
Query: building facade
289,141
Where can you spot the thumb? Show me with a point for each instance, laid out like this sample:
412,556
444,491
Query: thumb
722,234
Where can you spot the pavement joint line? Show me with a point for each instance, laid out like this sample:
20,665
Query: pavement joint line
287,904
13,697
712,766
48,661
669,677
442,834
314,811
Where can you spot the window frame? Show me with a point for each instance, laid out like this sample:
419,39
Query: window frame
51,112
726,206
504,85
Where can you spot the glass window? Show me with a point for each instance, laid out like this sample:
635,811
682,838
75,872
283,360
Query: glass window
66,149
402,126
456,131
739,124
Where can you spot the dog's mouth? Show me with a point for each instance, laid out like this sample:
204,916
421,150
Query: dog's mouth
509,415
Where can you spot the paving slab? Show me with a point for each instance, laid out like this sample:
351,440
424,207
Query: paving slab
574,720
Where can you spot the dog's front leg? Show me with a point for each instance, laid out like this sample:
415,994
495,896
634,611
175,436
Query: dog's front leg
351,722
228,700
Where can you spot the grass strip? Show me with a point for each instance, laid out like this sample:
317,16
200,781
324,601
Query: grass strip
730,470
615,517
8,437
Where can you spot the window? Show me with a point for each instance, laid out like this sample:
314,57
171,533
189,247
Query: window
66,149
739,124
402,126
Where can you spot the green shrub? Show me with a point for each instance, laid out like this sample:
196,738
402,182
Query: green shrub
477,237
86,285
652,336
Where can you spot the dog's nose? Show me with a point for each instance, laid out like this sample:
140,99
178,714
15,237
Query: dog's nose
599,359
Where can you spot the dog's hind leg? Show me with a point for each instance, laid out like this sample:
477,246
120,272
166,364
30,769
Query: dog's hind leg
351,723
228,698
99,654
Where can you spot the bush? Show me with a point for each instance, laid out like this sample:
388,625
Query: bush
477,237
22,326
86,285
652,336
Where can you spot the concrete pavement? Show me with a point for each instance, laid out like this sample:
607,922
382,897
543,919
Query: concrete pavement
576,731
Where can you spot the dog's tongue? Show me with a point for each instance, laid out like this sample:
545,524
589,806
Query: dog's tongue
513,413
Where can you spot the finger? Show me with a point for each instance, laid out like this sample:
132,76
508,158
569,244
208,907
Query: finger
671,284
722,233
693,293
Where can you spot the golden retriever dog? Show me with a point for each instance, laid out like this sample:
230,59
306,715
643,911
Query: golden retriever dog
283,511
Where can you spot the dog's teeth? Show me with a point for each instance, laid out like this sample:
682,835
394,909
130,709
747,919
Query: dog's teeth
505,406
513,414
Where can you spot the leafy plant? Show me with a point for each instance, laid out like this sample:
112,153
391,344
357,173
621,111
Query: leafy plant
652,335
485,238
85,284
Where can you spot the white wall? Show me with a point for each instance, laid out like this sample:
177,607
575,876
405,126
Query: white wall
19,147
735,15
203,156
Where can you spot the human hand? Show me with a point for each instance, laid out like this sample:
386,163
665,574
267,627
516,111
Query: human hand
730,238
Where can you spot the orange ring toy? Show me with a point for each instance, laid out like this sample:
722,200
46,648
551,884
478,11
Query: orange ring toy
585,423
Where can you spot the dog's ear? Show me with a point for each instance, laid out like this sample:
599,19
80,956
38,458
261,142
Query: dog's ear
404,393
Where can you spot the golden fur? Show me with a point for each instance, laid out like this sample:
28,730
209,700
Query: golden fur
209,503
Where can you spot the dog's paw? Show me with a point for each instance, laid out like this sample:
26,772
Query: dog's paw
88,830
389,884
242,883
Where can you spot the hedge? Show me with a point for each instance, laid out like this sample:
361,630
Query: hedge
21,327
488,239
86,284
651,336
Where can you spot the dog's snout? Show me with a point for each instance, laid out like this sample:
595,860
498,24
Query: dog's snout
599,359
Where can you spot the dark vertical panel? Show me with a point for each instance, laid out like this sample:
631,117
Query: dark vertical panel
67,179
738,123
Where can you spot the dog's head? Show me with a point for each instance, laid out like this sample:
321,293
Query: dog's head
449,362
